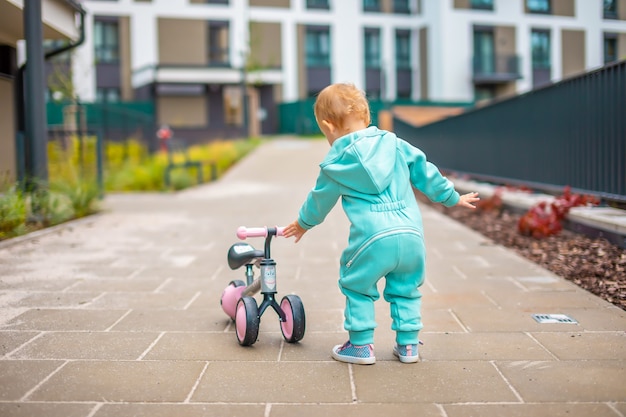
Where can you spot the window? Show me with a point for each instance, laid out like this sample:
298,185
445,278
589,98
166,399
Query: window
371,5
317,4
484,51
610,47
217,2
107,95
538,6
482,4
372,48
540,55
610,9
401,6
540,44
218,44
403,49
106,41
317,47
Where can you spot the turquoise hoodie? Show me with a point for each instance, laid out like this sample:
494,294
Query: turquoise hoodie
372,171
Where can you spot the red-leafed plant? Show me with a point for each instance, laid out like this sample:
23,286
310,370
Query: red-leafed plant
544,219
493,203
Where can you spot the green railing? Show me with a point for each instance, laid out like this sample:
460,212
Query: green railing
569,133
116,121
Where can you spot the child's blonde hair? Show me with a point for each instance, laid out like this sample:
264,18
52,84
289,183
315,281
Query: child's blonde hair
339,101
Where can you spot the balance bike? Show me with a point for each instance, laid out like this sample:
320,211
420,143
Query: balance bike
237,299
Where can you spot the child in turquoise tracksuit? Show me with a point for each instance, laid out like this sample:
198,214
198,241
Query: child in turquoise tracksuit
372,171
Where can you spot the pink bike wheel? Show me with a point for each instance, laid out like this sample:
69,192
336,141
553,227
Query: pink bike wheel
295,323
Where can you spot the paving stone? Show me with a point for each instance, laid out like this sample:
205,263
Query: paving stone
452,282
540,299
173,320
544,282
443,300
525,410
584,345
283,382
142,301
25,409
55,299
180,410
441,320
620,407
314,347
118,285
494,319
566,381
355,410
430,382
322,320
18,377
121,381
607,318
23,282
60,320
87,345
481,347
215,347
10,340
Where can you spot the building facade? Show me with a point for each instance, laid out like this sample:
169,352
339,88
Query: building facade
191,57
59,23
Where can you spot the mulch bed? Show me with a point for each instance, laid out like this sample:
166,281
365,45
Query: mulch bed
594,264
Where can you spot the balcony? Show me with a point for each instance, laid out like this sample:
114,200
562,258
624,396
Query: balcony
498,69
202,74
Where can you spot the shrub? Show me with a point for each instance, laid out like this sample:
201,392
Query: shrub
544,219
148,172
80,195
12,212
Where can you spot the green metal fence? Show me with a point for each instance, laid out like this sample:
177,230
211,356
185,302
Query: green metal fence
116,121
569,133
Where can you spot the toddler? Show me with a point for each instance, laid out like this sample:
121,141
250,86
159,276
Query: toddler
373,172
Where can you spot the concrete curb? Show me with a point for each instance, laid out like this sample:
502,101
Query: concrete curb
49,230
607,222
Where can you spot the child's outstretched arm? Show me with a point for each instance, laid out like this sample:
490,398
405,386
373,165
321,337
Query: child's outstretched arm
466,200
294,229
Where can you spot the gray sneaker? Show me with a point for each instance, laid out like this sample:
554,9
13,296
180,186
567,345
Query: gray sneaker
361,355
406,353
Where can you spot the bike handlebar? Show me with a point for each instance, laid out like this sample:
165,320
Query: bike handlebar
245,232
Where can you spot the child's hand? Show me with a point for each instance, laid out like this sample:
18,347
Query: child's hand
466,200
294,229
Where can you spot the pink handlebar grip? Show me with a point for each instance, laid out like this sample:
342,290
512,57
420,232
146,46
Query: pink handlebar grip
245,232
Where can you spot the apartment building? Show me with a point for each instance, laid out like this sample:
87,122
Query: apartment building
191,57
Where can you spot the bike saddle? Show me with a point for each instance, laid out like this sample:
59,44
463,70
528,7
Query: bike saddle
241,254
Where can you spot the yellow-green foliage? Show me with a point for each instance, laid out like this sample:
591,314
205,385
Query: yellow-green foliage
147,176
147,173
12,212
129,166
120,153
71,158
223,154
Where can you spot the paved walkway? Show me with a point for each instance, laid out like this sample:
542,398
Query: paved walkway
118,315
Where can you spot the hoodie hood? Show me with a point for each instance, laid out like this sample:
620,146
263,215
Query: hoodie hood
363,161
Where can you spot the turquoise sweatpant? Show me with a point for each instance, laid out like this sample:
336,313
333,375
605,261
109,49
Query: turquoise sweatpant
400,259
